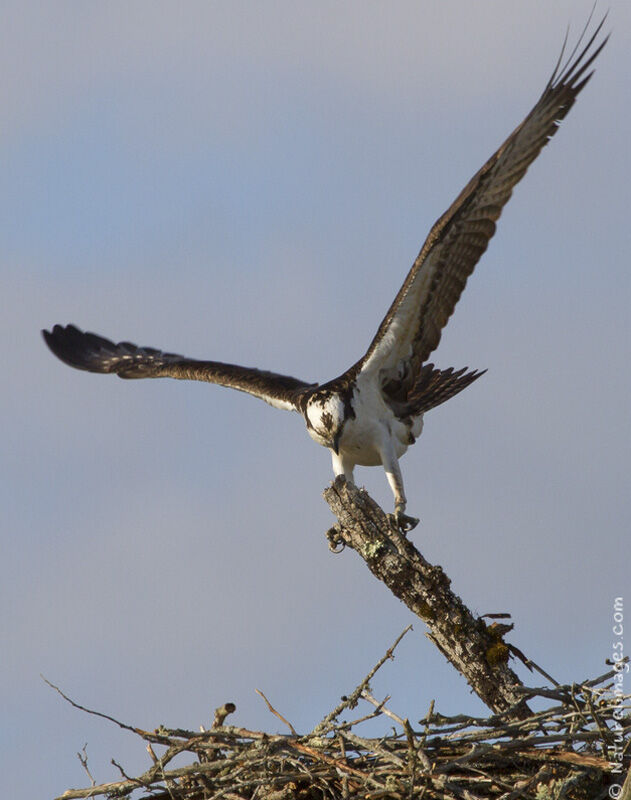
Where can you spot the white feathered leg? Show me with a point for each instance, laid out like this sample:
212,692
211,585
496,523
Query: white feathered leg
342,466
395,479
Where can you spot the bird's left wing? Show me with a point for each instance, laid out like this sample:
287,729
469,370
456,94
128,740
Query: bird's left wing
412,327
97,354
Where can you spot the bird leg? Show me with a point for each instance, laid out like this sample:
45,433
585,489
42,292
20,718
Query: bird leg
399,519
342,466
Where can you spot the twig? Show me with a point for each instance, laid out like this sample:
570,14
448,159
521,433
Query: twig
560,693
311,751
273,710
125,775
83,758
123,725
602,678
351,701
381,707
528,662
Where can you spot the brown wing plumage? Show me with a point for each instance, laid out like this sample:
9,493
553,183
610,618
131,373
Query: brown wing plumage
433,386
97,354
412,328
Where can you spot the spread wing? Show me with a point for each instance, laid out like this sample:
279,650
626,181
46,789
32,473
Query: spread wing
412,327
96,354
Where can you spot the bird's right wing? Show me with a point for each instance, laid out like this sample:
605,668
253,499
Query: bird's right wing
412,327
96,354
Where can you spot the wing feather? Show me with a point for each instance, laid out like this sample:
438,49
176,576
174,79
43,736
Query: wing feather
412,328
96,354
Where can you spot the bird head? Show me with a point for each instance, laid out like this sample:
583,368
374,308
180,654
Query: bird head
325,417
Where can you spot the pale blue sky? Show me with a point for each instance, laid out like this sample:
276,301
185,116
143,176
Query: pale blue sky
250,183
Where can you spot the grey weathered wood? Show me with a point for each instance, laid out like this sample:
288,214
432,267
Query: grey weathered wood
476,650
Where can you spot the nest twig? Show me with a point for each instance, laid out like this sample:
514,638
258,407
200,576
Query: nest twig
569,750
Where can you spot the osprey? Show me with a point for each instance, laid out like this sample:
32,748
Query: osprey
373,412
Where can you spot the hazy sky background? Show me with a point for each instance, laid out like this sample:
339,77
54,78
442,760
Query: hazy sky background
250,182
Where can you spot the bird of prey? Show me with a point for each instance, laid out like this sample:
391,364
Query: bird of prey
373,412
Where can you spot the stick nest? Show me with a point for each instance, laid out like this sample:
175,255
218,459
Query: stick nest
573,749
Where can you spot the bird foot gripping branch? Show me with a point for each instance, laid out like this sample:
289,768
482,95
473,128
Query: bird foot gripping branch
403,522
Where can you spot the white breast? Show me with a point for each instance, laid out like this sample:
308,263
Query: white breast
373,427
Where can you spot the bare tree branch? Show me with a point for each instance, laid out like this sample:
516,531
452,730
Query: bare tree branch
476,650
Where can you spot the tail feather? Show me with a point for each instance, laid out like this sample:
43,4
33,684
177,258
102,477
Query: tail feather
434,386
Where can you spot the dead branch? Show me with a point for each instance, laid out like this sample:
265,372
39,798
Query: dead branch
327,723
222,712
276,713
476,650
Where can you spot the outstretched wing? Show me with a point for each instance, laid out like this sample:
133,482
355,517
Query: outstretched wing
412,327
96,354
